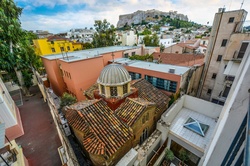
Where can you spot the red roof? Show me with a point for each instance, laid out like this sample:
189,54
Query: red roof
180,59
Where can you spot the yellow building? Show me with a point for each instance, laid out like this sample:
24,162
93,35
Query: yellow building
55,45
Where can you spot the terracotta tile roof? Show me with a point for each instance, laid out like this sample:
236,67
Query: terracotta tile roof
131,110
56,38
105,133
148,92
179,59
90,91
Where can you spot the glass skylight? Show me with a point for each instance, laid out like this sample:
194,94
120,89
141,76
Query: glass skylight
196,126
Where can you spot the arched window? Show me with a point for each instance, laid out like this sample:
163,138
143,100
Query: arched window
113,91
125,88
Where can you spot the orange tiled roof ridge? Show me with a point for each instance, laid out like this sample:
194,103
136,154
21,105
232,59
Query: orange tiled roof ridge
150,93
131,110
105,133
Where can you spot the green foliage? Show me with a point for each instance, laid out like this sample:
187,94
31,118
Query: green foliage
87,46
67,99
146,32
162,47
143,22
151,40
156,27
16,51
9,23
142,57
105,34
169,155
27,76
183,155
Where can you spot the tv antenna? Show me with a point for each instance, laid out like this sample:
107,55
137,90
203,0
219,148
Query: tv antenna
241,4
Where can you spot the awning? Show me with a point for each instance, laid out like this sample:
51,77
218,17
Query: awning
231,68
2,135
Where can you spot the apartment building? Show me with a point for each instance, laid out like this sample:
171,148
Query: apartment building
55,45
225,52
77,71
10,129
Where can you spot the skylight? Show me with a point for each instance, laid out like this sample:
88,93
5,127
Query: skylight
196,126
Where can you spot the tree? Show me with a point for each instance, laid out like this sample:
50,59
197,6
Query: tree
87,45
67,99
151,40
183,155
17,55
104,35
169,155
162,47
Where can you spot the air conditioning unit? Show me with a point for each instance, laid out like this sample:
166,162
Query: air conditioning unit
171,70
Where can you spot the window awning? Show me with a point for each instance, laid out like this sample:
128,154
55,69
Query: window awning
2,135
231,68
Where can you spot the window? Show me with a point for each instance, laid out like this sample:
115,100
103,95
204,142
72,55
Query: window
68,47
226,91
113,91
224,43
53,50
209,91
133,53
225,66
195,126
102,89
231,19
204,42
62,48
134,76
242,50
126,55
125,88
144,136
219,58
218,102
214,75
162,83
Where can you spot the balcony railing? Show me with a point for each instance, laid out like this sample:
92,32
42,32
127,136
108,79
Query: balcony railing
242,27
8,156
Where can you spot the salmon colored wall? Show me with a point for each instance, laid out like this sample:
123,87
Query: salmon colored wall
107,57
17,130
167,76
83,74
54,75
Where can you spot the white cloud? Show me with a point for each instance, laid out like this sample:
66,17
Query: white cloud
200,11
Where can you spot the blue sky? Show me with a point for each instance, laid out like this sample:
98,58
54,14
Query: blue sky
62,15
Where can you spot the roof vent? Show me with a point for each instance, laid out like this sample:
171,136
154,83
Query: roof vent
171,70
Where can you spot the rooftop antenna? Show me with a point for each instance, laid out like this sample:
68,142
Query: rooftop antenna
241,4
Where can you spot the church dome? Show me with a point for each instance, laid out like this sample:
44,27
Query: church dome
113,75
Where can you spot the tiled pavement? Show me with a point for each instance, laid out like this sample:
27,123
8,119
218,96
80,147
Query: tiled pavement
40,140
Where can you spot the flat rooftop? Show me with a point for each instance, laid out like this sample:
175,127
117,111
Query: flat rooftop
177,128
164,68
89,53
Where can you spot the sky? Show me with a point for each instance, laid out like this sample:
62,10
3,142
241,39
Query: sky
58,16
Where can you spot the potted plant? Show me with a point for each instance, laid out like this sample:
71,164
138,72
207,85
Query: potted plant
183,156
169,156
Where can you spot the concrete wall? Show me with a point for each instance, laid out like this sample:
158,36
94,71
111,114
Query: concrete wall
222,29
55,76
232,115
201,106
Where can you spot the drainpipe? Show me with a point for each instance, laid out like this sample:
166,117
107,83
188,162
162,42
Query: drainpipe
247,149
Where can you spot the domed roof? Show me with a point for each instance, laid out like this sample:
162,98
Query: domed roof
114,74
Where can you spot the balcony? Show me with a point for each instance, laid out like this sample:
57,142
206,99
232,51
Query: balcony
242,27
8,156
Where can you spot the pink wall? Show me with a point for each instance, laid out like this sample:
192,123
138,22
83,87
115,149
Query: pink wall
83,74
17,130
54,75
